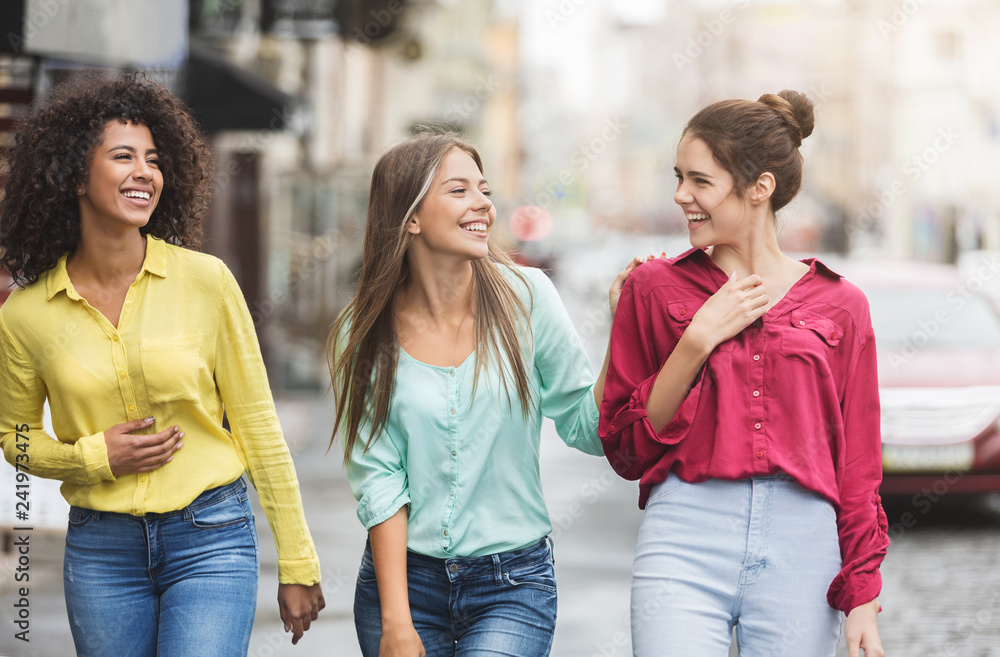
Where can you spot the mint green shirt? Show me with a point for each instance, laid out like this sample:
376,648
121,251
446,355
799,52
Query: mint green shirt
468,468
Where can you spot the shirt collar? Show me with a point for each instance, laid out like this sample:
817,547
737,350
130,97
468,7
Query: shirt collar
155,263
697,254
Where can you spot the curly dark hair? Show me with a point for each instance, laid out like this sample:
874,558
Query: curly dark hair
40,216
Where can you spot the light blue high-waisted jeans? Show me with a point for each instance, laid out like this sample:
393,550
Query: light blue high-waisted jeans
178,584
756,554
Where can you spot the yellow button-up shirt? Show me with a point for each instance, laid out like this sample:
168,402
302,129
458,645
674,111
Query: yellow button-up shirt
183,352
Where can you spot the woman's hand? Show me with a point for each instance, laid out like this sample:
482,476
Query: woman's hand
129,453
861,630
616,287
400,641
299,605
737,305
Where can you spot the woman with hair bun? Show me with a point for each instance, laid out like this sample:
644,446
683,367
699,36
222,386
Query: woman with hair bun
140,344
742,393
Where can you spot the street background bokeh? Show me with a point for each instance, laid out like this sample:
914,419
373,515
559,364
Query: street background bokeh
577,107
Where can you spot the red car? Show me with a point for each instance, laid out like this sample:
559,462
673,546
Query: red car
938,339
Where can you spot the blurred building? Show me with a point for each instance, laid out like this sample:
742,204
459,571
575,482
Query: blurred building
299,98
906,142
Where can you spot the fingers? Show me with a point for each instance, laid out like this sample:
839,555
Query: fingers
134,425
156,450
298,629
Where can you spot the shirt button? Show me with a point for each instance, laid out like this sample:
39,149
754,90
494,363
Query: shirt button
131,408
446,532
122,373
142,478
451,494
760,455
612,427
801,323
757,426
114,338
453,411
454,453
452,372
128,303
684,311
453,568
756,393
756,356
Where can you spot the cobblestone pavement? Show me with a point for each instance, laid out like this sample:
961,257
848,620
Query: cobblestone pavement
942,576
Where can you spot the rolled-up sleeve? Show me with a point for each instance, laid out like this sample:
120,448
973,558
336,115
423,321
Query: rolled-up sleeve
861,521
631,443
567,379
378,476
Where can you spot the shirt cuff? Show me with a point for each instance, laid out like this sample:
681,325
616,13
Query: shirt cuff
94,451
383,500
298,571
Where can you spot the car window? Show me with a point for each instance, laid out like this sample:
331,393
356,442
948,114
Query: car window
946,319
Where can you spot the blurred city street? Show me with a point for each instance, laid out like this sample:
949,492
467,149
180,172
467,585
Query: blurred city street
941,595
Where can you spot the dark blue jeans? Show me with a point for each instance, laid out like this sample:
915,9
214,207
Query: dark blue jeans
179,584
501,604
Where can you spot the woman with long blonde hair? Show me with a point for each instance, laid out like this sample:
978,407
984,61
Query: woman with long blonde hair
443,366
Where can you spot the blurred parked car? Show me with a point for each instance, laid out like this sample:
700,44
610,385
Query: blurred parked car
938,339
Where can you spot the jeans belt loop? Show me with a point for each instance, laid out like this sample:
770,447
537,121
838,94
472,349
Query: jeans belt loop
497,569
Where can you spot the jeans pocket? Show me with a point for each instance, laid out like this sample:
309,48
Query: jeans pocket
670,485
78,517
227,512
366,573
535,574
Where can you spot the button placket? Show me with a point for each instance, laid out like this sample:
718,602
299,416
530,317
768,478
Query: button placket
758,346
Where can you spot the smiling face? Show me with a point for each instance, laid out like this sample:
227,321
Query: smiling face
456,215
715,213
124,180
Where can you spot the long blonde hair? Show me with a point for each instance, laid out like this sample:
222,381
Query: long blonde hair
362,347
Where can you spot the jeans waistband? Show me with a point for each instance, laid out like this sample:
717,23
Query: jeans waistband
207,498
486,560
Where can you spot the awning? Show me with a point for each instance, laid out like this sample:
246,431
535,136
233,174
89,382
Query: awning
224,97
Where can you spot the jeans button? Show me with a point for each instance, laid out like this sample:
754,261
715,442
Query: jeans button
453,568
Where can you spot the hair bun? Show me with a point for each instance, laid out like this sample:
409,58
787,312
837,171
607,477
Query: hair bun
795,109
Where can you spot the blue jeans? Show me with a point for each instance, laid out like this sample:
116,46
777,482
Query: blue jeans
501,604
178,584
758,554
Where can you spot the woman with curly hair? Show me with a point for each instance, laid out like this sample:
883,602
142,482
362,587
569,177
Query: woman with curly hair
140,344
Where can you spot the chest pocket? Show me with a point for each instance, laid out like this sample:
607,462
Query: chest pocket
170,367
811,339
681,313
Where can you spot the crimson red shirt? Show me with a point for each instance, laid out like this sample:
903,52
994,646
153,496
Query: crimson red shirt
796,392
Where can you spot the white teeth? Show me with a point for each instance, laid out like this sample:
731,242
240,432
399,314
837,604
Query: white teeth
697,217
481,228
143,195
